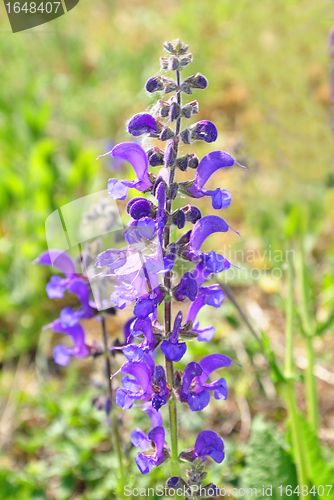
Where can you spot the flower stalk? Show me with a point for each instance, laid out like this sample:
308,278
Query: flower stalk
290,386
115,433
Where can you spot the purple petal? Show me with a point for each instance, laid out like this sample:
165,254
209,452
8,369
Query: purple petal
118,190
77,334
172,351
187,287
142,123
204,130
195,307
139,439
205,227
176,327
157,435
142,374
57,258
219,387
155,416
211,363
191,371
199,401
140,208
205,334
144,463
215,263
62,354
136,156
144,307
210,164
56,287
214,296
210,444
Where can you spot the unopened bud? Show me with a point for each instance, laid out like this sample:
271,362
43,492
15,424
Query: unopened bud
173,190
174,111
179,219
170,154
199,82
182,163
164,108
154,84
166,134
184,61
185,136
169,47
192,160
155,157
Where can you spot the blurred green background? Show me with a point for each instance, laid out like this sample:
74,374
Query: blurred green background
66,91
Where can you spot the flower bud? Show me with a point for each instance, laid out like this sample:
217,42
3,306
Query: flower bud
184,61
173,63
164,62
182,163
170,153
173,190
180,48
169,47
204,130
143,123
154,84
166,134
185,136
174,111
191,108
155,157
179,219
169,85
186,87
192,214
199,82
164,108
192,160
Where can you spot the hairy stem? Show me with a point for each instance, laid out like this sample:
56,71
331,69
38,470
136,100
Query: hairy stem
115,433
168,308
290,389
308,327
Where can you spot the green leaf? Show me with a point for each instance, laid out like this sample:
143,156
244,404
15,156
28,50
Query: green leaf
268,462
276,373
319,471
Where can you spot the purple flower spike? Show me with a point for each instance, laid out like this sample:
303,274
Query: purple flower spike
172,348
142,123
204,130
209,444
136,156
187,287
145,462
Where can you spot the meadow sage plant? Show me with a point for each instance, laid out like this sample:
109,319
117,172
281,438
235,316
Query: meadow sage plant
155,331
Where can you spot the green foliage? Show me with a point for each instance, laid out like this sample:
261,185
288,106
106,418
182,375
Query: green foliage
320,472
268,462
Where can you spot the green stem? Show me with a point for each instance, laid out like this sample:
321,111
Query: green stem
290,390
310,381
311,387
173,424
115,433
